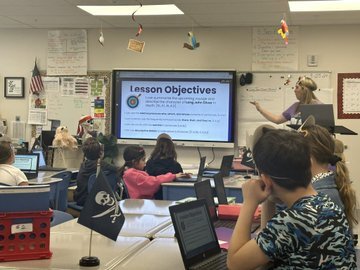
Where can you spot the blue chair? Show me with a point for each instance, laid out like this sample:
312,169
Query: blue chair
111,177
60,217
112,180
61,202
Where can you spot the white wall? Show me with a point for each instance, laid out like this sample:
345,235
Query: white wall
337,48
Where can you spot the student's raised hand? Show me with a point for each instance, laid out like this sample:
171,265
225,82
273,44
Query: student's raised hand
255,191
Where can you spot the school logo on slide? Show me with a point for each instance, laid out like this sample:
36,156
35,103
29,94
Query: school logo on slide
133,101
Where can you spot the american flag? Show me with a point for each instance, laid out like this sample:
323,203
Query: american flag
36,84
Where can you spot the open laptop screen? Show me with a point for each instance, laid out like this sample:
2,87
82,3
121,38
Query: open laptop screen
203,190
323,113
194,231
27,163
41,157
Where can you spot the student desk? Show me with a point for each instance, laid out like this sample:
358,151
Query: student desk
159,254
179,190
144,206
68,248
135,225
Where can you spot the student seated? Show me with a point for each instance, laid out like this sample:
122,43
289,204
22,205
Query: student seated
163,159
93,151
311,233
10,175
336,184
139,183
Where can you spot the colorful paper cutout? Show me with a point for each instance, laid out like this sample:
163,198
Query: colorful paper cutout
284,31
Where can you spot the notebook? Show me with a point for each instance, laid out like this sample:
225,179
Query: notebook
225,167
42,163
196,236
203,190
28,164
323,113
194,178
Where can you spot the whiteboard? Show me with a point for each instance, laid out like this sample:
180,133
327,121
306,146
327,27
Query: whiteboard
275,93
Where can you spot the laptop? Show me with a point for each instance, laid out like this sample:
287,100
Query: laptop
203,190
220,189
323,113
42,163
28,164
194,178
225,167
196,236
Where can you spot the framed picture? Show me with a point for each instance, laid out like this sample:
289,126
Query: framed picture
14,87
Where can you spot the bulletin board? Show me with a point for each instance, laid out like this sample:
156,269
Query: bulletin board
275,93
70,108
348,94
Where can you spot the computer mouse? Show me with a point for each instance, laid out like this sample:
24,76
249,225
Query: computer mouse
247,176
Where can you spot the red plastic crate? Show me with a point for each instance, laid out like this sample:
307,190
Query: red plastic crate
25,236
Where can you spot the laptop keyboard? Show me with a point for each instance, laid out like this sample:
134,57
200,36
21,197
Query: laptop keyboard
225,223
51,169
216,262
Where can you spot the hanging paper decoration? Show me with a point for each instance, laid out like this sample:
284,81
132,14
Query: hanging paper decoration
193,44
284,31
101,38
140,27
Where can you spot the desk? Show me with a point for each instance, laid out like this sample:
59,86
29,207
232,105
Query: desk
150,207
135,225
159,254
178,190
69,248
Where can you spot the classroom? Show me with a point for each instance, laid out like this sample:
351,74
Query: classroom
225,30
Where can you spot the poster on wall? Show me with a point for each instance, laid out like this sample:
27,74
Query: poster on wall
67,52
270,53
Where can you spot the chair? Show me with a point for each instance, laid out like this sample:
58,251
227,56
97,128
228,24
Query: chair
61,202
112,180
60,217
124,193
111,177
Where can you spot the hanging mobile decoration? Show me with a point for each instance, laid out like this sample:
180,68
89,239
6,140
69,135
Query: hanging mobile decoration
136,45
193,44
140,27
101,38
284,31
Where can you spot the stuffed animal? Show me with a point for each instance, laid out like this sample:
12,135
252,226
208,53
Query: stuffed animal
63,139
85,127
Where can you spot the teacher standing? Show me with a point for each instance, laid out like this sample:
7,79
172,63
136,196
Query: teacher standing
304,92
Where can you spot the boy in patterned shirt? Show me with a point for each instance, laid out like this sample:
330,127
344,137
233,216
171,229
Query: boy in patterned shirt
311,233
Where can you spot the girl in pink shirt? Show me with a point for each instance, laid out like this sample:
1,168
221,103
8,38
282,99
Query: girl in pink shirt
140,184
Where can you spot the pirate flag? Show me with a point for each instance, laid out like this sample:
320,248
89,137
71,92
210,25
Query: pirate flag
247,159
101,211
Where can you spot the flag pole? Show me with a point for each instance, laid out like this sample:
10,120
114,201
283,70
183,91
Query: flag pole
91,260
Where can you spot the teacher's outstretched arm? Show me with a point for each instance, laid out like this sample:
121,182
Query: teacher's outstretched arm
275,118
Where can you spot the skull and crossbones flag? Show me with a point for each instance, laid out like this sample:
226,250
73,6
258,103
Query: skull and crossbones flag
101,211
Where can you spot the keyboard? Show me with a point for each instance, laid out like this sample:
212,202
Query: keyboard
225,223
216,262
51,169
